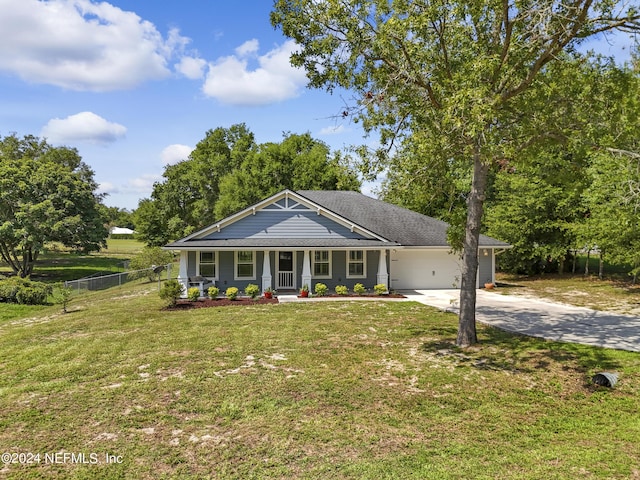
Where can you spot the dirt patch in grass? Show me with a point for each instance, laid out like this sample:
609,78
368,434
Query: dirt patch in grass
607,294
220,302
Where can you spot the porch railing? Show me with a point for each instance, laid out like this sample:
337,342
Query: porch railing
285,279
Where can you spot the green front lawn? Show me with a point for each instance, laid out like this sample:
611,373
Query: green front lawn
315,390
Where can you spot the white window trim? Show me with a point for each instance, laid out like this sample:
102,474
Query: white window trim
215,260
364,264
313,264
235,265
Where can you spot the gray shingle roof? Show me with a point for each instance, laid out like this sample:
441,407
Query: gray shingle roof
271,243
399,226
394,223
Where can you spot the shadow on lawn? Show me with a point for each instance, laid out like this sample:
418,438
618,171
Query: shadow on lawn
70,266
498,350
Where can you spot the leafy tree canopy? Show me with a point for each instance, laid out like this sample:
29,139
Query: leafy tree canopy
544,199
229,171
46,194
465,72
117,217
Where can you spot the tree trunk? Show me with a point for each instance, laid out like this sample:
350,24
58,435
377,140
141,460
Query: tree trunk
20,261
601,266
586,266
6,255
467,321
28,261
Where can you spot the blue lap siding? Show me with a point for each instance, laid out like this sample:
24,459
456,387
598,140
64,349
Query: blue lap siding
226,270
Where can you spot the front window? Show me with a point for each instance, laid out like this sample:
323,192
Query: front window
207,264
356,264
245,265
322,264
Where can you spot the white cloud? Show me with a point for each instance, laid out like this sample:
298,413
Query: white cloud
248,48
175,153
83,127
371,189
81,45
231,81
333,130
190,67
107,187
143,184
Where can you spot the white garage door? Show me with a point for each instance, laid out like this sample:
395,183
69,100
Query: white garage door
422,269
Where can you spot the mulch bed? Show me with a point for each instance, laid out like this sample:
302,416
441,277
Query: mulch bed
220,302
225,302
353,295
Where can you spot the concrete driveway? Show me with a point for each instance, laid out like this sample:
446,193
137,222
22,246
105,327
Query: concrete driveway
542,319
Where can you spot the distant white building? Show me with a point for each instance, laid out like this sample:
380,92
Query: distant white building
121,231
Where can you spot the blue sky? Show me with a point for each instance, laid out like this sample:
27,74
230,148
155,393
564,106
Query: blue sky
134,85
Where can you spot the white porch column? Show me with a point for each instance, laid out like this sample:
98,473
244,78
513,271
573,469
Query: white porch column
267,280
306,270
183,276
383,276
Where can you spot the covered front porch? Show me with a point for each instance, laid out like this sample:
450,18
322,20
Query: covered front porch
283,270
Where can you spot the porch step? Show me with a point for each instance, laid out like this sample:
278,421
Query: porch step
287,298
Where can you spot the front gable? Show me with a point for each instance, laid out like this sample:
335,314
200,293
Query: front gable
268,223
284,216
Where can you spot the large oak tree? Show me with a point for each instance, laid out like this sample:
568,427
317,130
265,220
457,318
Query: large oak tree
464,72
47,194
228,171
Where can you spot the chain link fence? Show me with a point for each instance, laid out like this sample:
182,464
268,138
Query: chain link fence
99,281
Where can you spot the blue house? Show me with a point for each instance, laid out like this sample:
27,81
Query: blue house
300,238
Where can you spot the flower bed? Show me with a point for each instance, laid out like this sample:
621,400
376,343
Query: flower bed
353,295
220,302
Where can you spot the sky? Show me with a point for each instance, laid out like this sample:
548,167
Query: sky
134,85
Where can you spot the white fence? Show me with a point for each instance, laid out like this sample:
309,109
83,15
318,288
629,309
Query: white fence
102,282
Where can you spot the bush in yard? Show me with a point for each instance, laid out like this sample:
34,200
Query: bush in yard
8,289
231,293
24,291
193,294
171,291
34,294
342,290
380,289
359,289
64,296
213,292
252,290
320,289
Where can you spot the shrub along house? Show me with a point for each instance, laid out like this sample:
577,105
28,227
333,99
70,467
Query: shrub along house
301,238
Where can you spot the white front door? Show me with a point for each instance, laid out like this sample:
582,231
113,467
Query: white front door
286,271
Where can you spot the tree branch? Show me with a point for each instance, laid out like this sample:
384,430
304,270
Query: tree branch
627,153
555,43
508,31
